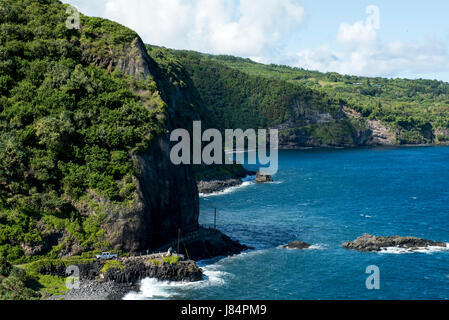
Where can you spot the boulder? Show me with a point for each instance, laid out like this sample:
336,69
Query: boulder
369,243
297,245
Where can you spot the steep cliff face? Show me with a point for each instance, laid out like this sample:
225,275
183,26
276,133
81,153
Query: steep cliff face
167,194
168,202
84,149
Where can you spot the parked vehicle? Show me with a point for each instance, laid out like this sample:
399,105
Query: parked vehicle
106,256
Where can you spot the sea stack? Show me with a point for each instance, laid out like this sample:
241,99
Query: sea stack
263,178
299,245
369,242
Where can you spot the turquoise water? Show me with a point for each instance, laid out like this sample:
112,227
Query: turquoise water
326,197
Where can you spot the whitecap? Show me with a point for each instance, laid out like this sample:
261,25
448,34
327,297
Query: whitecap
318,246
153,289
426,250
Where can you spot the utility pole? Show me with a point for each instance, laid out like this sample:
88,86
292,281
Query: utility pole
215,219
179,237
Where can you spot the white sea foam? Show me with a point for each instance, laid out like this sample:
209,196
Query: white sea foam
318,246
426,250
153,289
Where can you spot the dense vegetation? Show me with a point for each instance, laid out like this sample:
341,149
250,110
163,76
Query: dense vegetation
71,125
14,283
68,129
417,110
235,99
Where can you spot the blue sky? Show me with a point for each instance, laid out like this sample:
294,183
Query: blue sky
398,39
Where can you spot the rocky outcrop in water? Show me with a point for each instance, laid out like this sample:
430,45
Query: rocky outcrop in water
369,243
206,244
297,245
263,178
213,186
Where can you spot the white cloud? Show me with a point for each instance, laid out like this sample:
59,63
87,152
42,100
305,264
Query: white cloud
358,35
363,53
241,27
259,30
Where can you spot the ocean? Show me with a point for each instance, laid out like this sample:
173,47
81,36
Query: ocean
327,197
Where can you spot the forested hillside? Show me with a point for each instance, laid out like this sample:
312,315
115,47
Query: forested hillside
414,111
72,122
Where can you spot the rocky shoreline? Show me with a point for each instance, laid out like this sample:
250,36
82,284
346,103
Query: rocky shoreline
113,279
206,187
97,290
214,186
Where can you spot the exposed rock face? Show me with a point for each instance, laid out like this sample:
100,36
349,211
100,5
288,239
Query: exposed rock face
297,245
369,242
442,134
263,178
207,243
135,61
378,133
168,201
135,270
346,129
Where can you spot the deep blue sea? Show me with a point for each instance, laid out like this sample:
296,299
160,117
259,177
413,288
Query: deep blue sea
326,197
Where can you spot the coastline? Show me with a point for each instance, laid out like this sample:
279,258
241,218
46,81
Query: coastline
114,279
217,186
95,290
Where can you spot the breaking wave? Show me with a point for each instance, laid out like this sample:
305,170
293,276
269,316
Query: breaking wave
427,250
153,289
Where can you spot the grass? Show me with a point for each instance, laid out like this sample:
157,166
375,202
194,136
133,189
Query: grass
168,260
156,262
171,260
51,285
35,266
111,264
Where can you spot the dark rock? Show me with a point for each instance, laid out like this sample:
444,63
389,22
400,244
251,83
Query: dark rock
369,242
297,245
209,243
132,270
212,186
97,290
136,270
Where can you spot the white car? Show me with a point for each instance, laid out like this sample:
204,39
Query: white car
106,256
